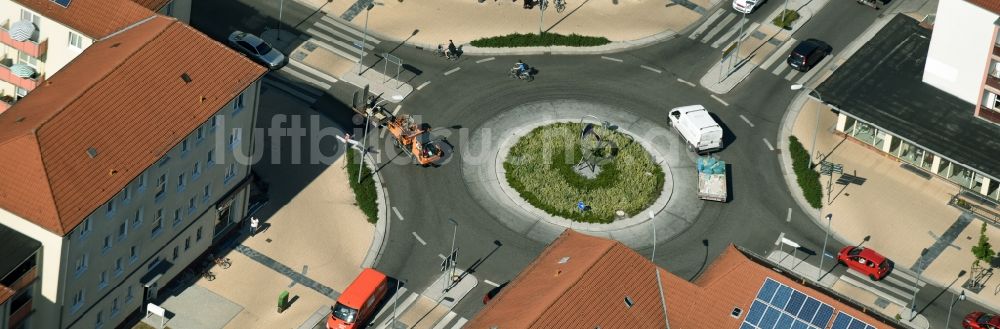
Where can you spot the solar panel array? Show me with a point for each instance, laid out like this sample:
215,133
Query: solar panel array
846,321
778,306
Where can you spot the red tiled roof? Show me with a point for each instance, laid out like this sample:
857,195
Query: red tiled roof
589,290
991,5
123,97
153,5
94,18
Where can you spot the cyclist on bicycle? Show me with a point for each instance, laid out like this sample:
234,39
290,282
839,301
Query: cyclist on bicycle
452,50
520,68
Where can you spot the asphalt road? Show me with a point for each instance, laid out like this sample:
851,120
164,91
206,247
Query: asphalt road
457,103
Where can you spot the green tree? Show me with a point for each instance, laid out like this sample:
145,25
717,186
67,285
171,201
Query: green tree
983,251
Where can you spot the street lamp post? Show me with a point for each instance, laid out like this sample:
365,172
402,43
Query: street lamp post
913,302
739,37
281,6
450,260
541,16
364,148
829,220
812,150
364,37
960,297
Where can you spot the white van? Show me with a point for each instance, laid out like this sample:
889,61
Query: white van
697,127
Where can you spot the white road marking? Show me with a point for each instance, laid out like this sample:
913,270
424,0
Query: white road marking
392,301
461,322
789,217
396,110
348,28
704,26
819,67
452,70
612,59
485,60
778,54
725,36
444,321
442,256
491,283
879,284
720,100
280,85
422,85
402,309
746,120
780,68
791,75
419,239
769,146
307,68
725,21
858,284
686,82
651,69
396,211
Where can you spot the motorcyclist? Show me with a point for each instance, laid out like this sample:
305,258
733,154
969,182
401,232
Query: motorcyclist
520,68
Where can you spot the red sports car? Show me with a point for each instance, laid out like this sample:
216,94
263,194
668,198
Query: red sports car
980,320
866,261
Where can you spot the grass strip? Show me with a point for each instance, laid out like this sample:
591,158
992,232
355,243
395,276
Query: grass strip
365,195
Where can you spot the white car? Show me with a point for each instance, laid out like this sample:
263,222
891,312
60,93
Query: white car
746,6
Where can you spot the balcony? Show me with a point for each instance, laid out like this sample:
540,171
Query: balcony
996,50
989,114
33,47
25,279
28,84
19,314
993,82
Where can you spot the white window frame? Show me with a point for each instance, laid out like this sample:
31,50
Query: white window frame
102,280
108,243
82,263
133,254
197,170
137,220
119,266
181,182
238,104
161,185
75,41
78,300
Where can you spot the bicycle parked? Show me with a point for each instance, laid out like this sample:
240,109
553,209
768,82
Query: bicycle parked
560,5
223,262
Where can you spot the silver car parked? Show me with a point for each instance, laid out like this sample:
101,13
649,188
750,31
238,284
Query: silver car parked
257,49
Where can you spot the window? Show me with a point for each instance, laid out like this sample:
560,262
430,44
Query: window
142,182
207,192
85,227
77,300
184,146
24,58
187,243
231,172
191,205
198,235
177,216
100,319
234,138
109,208
213,122
180,182
133,252
197,170
177,252
161,186
238,104
137,220
211,157
157,225
128,294
103,280
81,264
126,194
118,266
122,230
114,306
163,161
200,134
107,244
75,41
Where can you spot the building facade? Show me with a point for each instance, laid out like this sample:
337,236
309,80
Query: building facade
18,278
964,55
139,175
39,37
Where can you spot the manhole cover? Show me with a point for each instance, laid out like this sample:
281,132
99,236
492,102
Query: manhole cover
310,46
298,55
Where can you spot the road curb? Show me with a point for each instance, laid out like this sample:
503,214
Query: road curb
377,247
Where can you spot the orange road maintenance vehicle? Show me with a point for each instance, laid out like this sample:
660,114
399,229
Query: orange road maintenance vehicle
407,135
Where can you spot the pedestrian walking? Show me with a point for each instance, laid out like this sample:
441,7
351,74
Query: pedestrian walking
254,225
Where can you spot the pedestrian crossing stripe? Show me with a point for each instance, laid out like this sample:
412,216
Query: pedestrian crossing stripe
704,26
394,308
718,28
348,28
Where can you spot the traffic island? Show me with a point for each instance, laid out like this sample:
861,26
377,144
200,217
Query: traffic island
670,209
583,172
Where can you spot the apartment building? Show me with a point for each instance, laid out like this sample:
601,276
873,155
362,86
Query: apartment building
125,165
964,55
18,274
39,37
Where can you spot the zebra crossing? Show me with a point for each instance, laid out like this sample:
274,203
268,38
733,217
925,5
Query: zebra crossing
308,83
898,287
404,304
722,28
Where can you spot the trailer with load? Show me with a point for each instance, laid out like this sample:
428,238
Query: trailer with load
712,179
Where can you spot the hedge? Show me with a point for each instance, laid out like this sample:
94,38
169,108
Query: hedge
785,19
807,178
533,40
364,192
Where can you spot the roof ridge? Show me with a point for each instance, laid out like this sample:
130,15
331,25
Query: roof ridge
104,75
584,271
130,26
50,198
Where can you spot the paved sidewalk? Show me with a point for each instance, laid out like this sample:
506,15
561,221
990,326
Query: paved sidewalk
437,21
901,211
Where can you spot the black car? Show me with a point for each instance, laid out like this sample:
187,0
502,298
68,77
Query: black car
808,53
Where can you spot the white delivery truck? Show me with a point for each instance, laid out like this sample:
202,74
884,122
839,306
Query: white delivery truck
697,127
